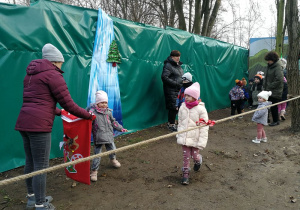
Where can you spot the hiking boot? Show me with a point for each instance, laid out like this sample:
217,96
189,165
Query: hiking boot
45,206
256,141
115,163
197,166
94,176
31,201
172,127
264,140
185,181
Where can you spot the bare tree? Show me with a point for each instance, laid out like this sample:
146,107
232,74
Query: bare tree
279,32
292,20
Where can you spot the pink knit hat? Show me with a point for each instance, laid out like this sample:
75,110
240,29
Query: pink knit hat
101,96
193,90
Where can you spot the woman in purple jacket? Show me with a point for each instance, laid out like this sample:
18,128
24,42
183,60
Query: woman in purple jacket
44,86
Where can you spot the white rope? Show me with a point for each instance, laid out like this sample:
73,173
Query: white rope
63,165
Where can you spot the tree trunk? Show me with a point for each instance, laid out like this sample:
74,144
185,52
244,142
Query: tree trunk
279,33
206,11
190,15
172,14
179,9
292,20
213,17
197,20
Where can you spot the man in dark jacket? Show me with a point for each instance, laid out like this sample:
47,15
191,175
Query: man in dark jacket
44,86
172,82
273,81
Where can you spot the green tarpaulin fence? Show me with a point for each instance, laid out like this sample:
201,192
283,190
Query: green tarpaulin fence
24,31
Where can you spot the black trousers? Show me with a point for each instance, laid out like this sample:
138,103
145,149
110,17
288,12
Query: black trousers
236,105
274,109
172,115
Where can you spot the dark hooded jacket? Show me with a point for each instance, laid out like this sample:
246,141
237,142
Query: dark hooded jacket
44,86
172,81
273,80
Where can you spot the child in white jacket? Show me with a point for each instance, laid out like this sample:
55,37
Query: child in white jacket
195,140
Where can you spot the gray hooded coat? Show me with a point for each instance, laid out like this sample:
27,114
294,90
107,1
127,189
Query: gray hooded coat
104,125
261,116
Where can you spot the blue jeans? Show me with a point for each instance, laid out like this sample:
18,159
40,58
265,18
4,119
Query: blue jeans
97,150
37,150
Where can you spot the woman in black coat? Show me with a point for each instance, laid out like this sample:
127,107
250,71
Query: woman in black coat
172,82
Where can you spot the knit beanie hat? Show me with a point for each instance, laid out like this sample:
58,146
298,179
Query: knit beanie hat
283,63
193,90
238,82
265,94
101,96
187,77
51,53
244,81
258,76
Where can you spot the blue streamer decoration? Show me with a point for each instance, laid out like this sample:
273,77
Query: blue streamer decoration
103,75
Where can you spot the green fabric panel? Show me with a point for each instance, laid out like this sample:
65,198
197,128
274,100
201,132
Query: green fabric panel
214,64
24,31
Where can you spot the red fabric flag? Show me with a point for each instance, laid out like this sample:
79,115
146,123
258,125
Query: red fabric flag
77,144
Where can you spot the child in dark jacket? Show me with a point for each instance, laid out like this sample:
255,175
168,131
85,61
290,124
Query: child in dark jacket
187,81
246,94
257,88
250,100
102,130
236,96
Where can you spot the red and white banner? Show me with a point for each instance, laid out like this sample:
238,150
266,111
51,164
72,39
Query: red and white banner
77,144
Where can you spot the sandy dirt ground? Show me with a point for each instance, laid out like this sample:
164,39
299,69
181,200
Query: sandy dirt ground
236,173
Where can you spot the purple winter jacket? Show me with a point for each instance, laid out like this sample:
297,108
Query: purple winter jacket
44,86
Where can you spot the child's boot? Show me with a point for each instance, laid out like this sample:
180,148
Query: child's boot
94,176
256,141
282,117
197,166
45,206
264,139
31,201
185,177
115,163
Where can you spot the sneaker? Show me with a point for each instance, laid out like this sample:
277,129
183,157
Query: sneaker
282,117
197,166
185,181
94,176
264,139
115,163
31,201
256,141
172,127
45,206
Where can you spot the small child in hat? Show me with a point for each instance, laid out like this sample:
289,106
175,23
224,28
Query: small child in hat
261,116
187,81
236,95
102,130
195,140
250,100
257,88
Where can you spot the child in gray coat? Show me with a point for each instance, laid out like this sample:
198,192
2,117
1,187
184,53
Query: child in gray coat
261,116
102,130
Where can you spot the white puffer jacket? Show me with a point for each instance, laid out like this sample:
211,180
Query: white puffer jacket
187,119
